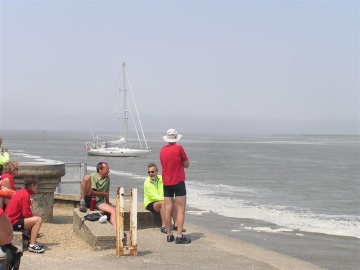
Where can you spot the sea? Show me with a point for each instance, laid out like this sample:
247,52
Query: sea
294,194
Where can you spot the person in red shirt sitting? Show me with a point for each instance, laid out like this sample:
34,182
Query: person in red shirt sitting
7,184
21,216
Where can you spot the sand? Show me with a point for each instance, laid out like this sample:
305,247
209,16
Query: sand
208,250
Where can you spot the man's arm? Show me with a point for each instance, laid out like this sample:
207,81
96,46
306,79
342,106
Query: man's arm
6,232
101,194
151,195
186,164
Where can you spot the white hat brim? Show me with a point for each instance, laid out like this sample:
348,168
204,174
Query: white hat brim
166,139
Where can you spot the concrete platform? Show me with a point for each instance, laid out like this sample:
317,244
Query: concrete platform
97,235
102,235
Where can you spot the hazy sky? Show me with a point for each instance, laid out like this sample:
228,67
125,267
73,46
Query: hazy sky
228,66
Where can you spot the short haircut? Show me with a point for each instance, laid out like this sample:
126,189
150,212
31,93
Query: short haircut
152,164
30,180
100,165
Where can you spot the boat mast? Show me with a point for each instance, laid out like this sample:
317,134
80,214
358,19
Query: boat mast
125,108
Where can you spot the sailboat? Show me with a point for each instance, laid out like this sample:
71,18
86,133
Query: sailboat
120,147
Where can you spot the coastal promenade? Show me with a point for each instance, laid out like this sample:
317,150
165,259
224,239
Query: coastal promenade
208,250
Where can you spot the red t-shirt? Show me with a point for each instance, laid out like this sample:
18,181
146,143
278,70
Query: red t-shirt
172,157
12,183
19,206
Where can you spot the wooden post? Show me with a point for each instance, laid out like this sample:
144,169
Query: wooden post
117,210
133,221
120,219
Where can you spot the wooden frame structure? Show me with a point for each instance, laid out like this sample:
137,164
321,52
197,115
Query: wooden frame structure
121,238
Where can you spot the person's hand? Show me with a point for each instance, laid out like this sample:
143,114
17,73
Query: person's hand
3,150
106,197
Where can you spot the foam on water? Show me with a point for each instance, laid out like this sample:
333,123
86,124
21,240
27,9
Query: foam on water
206,197
34,158
120,173
199,213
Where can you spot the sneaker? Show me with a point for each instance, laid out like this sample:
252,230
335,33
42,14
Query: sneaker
163,229
82,207
182,240
175,229
39,244
35,248
170,238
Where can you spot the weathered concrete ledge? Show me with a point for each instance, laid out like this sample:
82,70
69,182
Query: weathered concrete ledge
102,235
49,175
97,235
67,199
145,218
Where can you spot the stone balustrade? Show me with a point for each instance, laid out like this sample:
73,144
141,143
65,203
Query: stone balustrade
49,175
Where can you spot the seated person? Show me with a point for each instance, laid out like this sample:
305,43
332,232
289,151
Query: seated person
7,184
154,196
4,156
21,216
6,232
98,185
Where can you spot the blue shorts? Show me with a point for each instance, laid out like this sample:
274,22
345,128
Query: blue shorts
177,190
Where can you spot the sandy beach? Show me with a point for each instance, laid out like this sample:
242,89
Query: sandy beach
208,250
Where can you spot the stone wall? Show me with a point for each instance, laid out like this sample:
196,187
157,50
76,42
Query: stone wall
49,175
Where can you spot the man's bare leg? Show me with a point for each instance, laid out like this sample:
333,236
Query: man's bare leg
111,210
168,210
180,208
160,207
85,191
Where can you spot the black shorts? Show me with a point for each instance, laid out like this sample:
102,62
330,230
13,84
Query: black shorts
177,190
150,207
19,225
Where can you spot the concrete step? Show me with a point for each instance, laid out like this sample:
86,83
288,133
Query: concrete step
102,235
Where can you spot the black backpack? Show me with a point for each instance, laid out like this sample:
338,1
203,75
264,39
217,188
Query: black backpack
90,217
13,256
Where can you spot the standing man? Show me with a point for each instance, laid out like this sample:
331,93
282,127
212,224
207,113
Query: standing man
98,185
154,196
4,157
173,161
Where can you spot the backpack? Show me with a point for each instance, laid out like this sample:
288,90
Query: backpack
13,256
90,217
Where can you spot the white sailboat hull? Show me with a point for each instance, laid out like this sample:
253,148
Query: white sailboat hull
118,152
